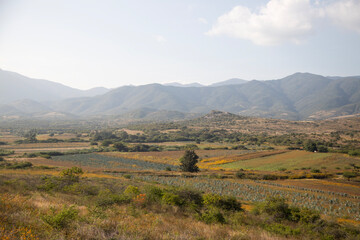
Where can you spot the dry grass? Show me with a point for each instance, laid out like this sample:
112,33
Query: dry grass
288,160
208,162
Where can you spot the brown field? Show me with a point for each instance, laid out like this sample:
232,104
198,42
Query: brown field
35,147
172,157
292,160
235,158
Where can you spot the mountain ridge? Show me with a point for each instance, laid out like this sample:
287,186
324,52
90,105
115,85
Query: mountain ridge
296,97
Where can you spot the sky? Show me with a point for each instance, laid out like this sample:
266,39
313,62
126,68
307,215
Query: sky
111,43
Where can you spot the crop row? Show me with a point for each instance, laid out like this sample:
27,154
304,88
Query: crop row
344,206
102,161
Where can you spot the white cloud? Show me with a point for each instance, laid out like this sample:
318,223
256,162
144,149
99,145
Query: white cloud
277,22
345,13
160,38
202,20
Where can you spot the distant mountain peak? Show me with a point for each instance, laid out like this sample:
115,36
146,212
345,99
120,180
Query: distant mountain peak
176,84
232,81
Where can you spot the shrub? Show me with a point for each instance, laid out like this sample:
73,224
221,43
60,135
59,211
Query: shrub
323,149
172,199
132,191
269,177
106,198
225,203
239,147
275,207
61,219
212,216
191,198
121,147
230,203
4,152
106,143
240,174
127,176
52,153
282,229
349,175
154,194
304,215
71,175
354,153
20,165
31,155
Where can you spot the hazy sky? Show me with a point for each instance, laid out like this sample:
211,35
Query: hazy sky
88,43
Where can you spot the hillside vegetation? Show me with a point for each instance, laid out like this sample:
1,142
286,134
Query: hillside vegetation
295,97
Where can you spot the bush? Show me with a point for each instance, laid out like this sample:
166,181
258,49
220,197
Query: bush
52,153
239,147
304,215
154,194
106,143
270,177
240,174
61,219
323,149
20,165
225,203
30,155
191,198
132,191
121,147
172,199
354,153
71,175
4,152
212,216
349,175
282,229
106,198
275,207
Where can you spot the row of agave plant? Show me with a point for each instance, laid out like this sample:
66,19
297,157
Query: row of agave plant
344,206
108,162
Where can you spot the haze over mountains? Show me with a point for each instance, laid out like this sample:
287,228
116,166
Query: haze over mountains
296,97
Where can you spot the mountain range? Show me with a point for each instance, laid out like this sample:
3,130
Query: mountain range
296,97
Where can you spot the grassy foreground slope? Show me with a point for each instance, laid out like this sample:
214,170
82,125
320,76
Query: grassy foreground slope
69,204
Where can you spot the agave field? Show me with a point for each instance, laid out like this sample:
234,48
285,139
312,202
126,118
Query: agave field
108,162
341,205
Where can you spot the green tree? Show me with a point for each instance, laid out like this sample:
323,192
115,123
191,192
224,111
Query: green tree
349,175
310,146
188,161
31,135
121,147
